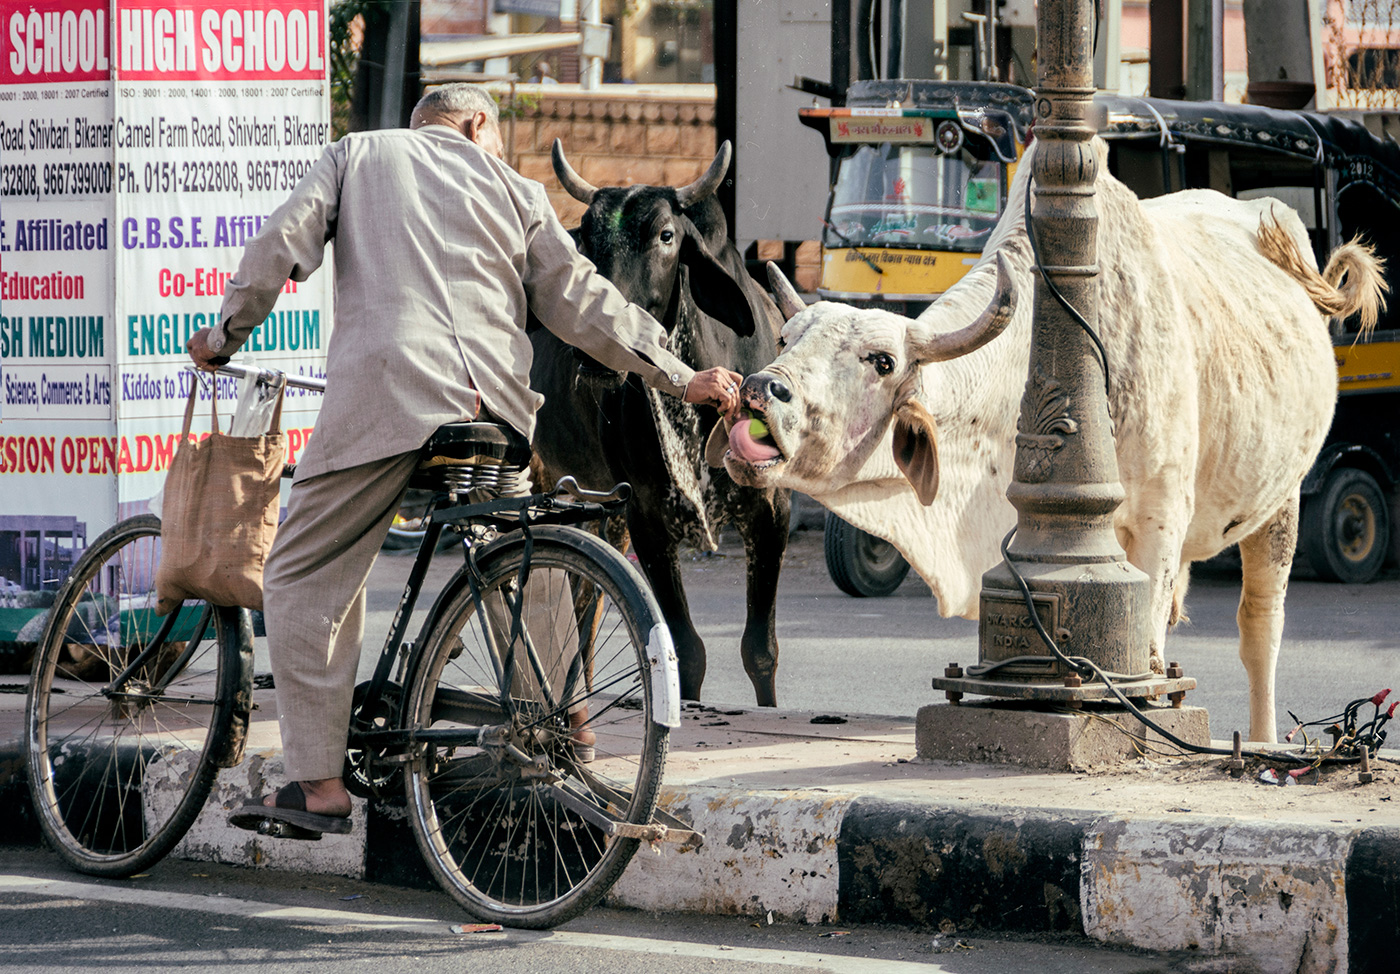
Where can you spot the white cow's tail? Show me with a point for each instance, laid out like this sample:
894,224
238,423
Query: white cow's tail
1353,280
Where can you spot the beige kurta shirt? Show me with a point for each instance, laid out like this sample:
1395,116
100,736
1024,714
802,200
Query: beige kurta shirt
439,249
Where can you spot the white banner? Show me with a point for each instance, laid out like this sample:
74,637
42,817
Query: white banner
57,337
141,145
221,108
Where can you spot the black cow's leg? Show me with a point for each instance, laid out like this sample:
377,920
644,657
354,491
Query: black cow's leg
659,563
765,533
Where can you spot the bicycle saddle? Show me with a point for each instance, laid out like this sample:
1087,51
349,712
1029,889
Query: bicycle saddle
464,443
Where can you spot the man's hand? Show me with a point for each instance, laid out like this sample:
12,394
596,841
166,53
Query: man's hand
716,387
204,359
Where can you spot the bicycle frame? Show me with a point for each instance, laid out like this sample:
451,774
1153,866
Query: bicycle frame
115,687
507,515
529,511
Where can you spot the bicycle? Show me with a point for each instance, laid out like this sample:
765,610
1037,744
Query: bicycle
475,719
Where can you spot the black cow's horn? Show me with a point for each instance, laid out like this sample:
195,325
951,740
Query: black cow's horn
789,303
989,324
576,186
709,182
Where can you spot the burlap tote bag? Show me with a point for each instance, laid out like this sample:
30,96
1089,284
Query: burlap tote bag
219,514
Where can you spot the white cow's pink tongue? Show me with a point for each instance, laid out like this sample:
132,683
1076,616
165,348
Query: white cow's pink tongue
746,448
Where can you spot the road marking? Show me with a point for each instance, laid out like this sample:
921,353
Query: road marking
253,909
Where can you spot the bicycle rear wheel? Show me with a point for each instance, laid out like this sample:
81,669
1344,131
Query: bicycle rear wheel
521,828
129,713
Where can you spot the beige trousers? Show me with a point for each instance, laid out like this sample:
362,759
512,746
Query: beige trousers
314,604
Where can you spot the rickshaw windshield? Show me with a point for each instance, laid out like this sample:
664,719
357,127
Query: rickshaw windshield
914,196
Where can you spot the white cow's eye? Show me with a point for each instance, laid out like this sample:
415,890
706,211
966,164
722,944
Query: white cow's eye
883,363
781,344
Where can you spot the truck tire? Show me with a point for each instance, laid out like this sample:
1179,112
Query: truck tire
1345,530
859,563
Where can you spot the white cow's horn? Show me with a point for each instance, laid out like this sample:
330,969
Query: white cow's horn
709,182
786,295
989,324
574,184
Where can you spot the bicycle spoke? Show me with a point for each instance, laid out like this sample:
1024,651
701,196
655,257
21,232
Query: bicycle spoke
497,828
135,696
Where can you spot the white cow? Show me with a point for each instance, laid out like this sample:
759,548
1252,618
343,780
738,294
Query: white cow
1214,318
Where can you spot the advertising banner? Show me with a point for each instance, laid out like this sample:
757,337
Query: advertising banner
142,143
58,466
220,109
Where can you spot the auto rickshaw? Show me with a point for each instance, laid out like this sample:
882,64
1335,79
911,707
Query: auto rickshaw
921,174
921,171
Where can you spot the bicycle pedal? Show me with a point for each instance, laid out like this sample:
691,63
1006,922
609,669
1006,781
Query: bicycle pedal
286,830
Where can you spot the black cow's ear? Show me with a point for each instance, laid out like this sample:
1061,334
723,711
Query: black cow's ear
712,285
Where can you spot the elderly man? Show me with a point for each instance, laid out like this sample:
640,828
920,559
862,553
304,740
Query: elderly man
440,247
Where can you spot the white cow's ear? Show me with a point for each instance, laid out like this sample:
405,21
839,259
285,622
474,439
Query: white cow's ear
916,449
717,443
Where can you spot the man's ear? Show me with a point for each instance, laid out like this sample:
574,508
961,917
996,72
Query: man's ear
916,449
475,122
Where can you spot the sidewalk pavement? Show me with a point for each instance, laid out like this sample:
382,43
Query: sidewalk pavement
832,818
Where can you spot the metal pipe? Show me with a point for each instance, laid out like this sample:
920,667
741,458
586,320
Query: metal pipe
894,60
865,61
395,60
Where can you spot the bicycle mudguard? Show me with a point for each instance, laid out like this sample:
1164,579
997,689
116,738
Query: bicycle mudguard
665,677
241,622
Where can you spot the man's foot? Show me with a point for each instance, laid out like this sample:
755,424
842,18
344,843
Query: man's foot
285,814
582,738
324,796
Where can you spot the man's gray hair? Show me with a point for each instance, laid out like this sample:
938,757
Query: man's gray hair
459,99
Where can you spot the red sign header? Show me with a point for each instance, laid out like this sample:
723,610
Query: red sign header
54,40
221,41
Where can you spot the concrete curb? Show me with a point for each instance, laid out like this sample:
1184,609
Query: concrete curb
1284,897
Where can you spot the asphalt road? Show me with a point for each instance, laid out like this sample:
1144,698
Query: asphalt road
876,656
189,916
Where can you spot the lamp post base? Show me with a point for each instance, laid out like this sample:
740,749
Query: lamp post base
1013,733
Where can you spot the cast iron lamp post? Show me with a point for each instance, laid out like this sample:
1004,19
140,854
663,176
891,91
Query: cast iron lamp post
1065,487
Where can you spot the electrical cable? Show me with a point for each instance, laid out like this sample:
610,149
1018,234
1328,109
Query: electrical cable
1082,666
1055,292
1089,670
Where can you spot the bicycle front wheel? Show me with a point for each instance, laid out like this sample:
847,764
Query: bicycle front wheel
529,824
129,712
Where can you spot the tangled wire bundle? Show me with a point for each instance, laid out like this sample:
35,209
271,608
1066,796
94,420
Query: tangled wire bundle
1349,736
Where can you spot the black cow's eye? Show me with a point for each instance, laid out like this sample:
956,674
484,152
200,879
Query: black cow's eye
668,235
884,365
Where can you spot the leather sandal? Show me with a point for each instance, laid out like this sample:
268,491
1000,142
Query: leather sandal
287,817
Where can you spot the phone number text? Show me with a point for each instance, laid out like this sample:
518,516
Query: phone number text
219,176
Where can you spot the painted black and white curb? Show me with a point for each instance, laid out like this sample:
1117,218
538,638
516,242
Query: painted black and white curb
1278,897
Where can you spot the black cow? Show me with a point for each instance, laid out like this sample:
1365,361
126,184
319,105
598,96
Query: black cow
668,250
